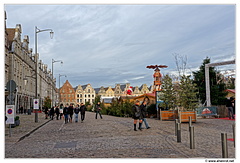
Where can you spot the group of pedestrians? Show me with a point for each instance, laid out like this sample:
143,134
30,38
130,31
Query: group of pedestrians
140,114
67,112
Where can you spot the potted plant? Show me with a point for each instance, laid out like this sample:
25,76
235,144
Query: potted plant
17,121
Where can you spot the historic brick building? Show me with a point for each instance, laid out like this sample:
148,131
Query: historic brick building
67,94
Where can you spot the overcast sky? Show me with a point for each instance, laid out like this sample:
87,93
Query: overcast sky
107,44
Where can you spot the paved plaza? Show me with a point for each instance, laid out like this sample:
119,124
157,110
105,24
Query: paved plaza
114,137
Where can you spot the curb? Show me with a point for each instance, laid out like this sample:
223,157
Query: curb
29,133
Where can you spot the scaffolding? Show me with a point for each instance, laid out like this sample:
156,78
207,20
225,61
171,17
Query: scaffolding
207,81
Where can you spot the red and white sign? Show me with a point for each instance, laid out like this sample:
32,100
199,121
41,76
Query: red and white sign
36,104
10,114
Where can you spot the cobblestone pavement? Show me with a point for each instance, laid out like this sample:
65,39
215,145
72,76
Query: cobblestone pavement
113,137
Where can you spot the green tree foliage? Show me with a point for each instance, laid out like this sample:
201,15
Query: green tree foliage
217,86
47,102
120,108
168,94
186,93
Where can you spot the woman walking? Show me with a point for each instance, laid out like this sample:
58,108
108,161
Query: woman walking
137,115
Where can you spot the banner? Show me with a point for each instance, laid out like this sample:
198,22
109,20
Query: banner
205,111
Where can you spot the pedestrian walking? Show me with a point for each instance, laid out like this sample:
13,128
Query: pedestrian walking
136,111
46,112
144,113
52,113
98,110
76,111
65,113
229,105
70,112
57,111
61,111
82,111
21,110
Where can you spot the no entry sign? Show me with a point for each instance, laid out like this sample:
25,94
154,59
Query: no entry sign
36,104
10,114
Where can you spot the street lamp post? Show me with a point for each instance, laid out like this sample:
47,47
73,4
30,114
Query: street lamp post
36,63
53,61
59,85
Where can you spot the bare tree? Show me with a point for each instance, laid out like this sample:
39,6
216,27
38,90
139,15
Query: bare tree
181,63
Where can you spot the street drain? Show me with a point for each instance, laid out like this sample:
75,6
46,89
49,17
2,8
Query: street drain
66,144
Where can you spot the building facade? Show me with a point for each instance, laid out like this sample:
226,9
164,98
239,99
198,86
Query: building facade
84,94
20,65
67,94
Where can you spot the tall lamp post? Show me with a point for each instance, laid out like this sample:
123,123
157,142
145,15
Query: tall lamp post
59,85
53,61
36,64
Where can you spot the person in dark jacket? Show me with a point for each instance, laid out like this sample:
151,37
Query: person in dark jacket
229,105
70,112
82,111
136,111
98,110
144,112
57,111
76,112
46,112
65,113
51,113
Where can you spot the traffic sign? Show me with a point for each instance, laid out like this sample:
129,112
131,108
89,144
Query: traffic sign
36,104
10,114
11,85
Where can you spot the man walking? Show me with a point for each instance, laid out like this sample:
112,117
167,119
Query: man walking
70,112
229,105
143,107
76,111
57,111
65,113
98,110
82,110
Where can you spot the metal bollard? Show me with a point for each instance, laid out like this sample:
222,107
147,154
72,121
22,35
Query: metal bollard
233,126
192,141
224,145
190,122
178,132
176,121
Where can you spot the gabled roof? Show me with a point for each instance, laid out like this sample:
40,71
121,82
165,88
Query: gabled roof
146,94
97,90
84,86
230,90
